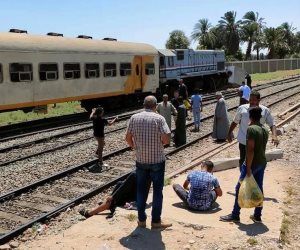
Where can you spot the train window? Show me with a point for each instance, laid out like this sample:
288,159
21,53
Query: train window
137,70
71,71
20,72
180,55
125,69
48,71
92,70
110,69
149,69
171,61
1,74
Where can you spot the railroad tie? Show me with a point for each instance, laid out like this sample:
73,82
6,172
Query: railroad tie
51,198
79,179
12,217
36,206
3,231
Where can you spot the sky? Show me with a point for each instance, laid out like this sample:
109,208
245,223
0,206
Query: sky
142,21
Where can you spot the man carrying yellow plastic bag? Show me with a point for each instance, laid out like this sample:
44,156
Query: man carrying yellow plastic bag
249,195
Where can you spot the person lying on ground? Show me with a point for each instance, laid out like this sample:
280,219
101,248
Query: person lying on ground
201,189
124,192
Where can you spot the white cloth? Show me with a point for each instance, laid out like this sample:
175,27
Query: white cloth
246,92
242,118
166,111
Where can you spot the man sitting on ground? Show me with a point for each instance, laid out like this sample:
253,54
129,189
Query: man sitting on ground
204,188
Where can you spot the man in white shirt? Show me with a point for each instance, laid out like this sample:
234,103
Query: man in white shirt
244,93
242,118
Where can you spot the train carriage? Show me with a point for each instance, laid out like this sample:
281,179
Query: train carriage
38,70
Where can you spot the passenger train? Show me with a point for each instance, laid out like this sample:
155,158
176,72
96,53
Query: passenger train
37,70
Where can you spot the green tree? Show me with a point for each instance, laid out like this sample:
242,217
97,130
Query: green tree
231,32
297,43
289,36
252,31
203,35
275,42
177,40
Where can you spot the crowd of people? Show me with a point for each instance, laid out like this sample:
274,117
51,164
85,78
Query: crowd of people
149,131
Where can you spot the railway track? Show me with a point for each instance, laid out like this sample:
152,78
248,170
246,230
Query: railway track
29,171
77,138
13,131
27,153
39,201
81,134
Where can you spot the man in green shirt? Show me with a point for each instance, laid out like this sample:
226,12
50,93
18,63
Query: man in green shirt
257,138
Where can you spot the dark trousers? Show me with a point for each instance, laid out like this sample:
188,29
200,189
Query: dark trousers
146,173
124,191
181,192
243,101
242,154
258,174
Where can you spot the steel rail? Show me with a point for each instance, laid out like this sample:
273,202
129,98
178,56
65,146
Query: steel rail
7,131
8,236
230,94
65,172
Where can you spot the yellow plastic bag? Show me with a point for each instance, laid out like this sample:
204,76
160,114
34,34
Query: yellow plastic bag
187,104
250,194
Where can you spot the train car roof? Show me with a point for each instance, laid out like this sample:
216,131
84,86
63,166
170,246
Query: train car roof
38,43
166,52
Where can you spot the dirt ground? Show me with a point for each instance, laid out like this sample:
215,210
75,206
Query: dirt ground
203,230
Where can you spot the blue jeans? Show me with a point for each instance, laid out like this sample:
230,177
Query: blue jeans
196,114
258,174
146,173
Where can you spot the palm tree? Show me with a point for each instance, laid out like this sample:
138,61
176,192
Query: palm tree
289,36
203,35
231,29
252,31
275,42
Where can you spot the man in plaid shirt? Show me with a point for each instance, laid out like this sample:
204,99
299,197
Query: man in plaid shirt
204,188
147,132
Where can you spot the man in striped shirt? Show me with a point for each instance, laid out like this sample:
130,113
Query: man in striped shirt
147,132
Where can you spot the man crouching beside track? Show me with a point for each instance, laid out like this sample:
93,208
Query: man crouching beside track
147,133
204,188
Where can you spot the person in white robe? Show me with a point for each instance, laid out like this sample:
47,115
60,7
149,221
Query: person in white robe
166,109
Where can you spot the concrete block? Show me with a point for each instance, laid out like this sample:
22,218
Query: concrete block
274,154
227,163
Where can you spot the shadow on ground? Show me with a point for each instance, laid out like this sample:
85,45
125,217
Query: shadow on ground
215,208
143,238
253,229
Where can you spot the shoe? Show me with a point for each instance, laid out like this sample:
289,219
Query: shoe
255,219
84,212
141,224
230,218
161,225
104,165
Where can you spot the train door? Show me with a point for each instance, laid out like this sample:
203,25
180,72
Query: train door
137,74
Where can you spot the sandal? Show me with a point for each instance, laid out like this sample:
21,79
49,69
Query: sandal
84,212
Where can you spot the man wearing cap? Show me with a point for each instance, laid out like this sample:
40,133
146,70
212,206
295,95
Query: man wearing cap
221,121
